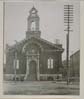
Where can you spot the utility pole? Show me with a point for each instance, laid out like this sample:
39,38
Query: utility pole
68,20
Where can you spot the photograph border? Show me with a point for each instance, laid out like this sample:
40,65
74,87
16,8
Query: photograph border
42,96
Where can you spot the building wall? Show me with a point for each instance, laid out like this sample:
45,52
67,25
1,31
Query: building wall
75,64
44,62
44,55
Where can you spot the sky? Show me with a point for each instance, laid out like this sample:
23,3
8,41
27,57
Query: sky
52,27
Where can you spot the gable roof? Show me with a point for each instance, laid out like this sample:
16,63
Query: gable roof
39,39
48,43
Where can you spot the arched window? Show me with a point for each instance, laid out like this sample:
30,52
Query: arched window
33,26
16,62
17,65
50,63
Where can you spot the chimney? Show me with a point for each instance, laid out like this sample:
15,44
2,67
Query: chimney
57,43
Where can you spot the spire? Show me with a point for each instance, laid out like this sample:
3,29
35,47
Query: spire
33,10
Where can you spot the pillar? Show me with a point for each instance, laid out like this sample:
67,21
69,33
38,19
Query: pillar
27,68
38,72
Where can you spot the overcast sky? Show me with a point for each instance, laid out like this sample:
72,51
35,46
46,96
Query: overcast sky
51,22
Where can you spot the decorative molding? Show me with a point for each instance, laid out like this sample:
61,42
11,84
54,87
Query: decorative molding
31,42
52,50
29,59
50,75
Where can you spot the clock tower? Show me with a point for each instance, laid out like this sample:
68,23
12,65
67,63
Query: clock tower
33,24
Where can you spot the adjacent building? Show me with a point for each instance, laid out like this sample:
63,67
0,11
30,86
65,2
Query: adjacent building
74,67
75,64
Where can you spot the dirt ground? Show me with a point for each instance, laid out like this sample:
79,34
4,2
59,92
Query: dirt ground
40,88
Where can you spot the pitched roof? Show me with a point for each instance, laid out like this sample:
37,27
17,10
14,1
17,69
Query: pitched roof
48,42
39,39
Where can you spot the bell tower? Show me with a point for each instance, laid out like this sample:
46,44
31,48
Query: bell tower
33,24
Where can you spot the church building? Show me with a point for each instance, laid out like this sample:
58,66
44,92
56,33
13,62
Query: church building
34,58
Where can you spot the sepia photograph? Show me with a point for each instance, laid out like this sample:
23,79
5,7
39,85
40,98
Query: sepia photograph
41,48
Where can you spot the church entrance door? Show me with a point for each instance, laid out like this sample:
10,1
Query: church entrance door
32,70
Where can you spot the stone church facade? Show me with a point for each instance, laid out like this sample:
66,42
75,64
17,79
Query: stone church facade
33,58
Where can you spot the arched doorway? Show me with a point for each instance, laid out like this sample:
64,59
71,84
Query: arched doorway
32,70
32,50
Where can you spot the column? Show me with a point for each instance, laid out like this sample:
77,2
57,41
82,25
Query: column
38,74
14,64
27,68
15,60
